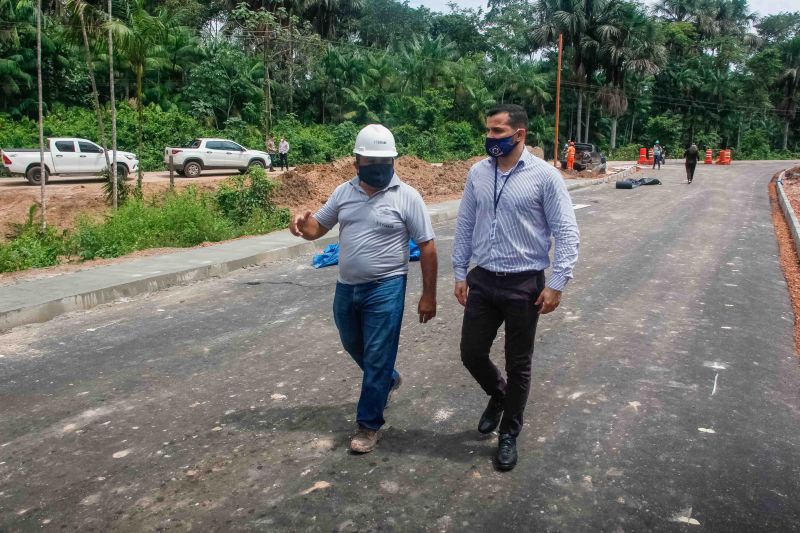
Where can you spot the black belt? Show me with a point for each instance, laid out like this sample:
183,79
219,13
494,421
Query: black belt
511,274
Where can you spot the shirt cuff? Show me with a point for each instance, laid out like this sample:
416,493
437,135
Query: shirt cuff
460,273
558,282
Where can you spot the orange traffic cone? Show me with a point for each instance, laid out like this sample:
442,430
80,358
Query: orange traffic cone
709,157
642,156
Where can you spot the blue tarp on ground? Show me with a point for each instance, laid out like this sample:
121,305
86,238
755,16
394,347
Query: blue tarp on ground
330,255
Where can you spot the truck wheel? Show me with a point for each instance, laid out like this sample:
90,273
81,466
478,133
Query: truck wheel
192,169
256,163
34,175
122,171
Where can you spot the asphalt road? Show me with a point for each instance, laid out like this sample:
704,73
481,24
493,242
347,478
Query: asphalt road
665,395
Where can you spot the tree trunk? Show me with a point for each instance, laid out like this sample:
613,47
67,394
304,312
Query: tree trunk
739,135
571,118
633,125
101,129
113,97
588,120
614,121
291,68
785,134
139,75
267,94
578,121
42,167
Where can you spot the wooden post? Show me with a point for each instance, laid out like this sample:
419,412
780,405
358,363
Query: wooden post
171,172
558,97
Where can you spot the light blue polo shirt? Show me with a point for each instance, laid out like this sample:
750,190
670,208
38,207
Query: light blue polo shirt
374,231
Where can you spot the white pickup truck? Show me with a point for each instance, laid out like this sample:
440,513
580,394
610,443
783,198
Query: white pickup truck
66,155
209,154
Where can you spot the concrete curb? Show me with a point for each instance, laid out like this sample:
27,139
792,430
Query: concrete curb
788,212
43,299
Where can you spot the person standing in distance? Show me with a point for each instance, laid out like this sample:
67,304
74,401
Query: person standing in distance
513,203
692,155
376,213
283,148
570,155
272,152
657,155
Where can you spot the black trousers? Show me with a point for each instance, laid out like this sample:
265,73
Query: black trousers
690,171
492,301
284,161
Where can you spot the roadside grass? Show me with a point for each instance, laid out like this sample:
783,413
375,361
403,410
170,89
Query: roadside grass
241,206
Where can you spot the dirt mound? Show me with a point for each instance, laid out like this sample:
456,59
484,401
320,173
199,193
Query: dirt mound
308,186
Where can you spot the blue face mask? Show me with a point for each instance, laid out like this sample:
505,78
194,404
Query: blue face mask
500,147
378,175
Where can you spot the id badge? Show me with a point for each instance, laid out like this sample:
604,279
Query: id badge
494,229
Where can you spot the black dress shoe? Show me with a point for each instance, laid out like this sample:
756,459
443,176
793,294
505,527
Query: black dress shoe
491,416
506,458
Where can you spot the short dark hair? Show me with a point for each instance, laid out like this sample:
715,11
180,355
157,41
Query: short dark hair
517,116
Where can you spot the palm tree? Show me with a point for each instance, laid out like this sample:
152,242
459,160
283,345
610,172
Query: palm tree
790,83
428,63
327,14
139,40
576,20
16,60
42,168
677,10
629,45
89,20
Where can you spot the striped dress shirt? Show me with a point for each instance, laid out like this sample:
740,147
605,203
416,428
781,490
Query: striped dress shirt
534,206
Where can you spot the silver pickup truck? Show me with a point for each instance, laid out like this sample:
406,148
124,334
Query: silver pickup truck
65,155
210,154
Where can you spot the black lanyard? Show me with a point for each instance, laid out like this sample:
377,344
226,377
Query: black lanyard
496,195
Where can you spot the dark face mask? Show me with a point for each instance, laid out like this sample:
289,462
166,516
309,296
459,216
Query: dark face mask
500,147
378,175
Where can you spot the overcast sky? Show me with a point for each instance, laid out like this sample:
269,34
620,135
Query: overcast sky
762,7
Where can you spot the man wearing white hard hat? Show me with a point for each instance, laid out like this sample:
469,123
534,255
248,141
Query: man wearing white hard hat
377,214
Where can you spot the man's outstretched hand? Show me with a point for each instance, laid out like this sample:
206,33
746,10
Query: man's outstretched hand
302,226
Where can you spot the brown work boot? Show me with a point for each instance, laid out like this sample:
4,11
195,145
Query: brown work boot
365,440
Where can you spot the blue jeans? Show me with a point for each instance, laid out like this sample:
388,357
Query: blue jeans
368,317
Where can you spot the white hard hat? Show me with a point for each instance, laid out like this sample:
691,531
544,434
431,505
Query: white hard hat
375,141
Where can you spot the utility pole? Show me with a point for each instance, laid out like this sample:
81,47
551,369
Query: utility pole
114,184
42,167
558,97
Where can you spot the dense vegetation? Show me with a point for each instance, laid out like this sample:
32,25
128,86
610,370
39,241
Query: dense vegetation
241,206
707,71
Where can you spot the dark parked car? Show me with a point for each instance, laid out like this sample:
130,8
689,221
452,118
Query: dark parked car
587,157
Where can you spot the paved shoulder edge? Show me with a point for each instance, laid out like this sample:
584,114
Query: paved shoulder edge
788,212
82,300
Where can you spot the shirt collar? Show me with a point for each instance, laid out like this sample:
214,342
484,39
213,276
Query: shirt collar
525,159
